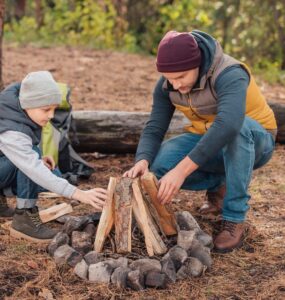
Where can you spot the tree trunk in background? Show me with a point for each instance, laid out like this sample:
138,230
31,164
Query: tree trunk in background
228,20
39,13
119,131
20,9
280,29
2,14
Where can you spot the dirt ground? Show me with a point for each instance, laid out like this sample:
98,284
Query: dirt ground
118,81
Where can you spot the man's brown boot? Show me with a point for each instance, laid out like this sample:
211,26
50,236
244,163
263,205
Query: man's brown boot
230,237
5,210
213,202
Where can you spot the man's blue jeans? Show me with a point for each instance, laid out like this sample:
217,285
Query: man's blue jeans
233,165
21,185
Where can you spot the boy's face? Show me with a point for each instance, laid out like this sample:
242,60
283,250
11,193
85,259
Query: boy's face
183,81
41,115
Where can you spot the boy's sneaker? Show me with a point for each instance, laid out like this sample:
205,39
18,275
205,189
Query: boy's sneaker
27,224
5,210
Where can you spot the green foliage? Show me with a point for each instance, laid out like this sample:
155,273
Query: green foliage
252,31
270,72
181,15
87,23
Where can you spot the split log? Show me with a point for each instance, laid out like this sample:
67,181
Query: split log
150,230
107,218
123,215
49,195
119,131
166,219
142,217
55,212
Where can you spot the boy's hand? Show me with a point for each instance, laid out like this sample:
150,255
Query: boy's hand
139,169
95,197
49,162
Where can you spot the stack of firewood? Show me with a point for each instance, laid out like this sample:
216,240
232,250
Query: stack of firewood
135,199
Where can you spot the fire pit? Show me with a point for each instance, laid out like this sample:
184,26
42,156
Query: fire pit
150,246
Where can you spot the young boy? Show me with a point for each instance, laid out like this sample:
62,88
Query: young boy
24,109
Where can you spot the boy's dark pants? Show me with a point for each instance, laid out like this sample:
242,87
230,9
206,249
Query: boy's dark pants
22,186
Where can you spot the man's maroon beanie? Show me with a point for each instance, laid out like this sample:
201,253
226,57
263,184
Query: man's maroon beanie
177,52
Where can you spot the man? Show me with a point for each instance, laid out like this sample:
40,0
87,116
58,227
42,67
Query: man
232,130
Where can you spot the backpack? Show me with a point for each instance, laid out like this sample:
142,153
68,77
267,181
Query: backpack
57,138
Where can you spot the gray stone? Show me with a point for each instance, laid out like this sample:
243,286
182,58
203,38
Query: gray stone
146,265
185,238
168,268
195,267
182,273
178,255
64,219
155,280
119,277
95,218
81,241
93,257
75,223
60,239
116,263
100,272
186,221
191,268
66,254
202,253
135,280
90,228
205,239
81,269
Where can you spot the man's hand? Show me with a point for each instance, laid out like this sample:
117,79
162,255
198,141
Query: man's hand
95,197
49,162
169,185
139,169
171,182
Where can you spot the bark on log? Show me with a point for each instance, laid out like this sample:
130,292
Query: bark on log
119,131
115,131
123,215
279,111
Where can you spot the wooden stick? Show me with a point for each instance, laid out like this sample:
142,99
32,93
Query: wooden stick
49,195
55,212
152,234
158,244
166,218
142,217
123,215
107,217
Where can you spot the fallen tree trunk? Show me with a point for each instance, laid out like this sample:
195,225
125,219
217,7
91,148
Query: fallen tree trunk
279,111
119,131
115,131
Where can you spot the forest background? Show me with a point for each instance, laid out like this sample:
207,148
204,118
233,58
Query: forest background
252,31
